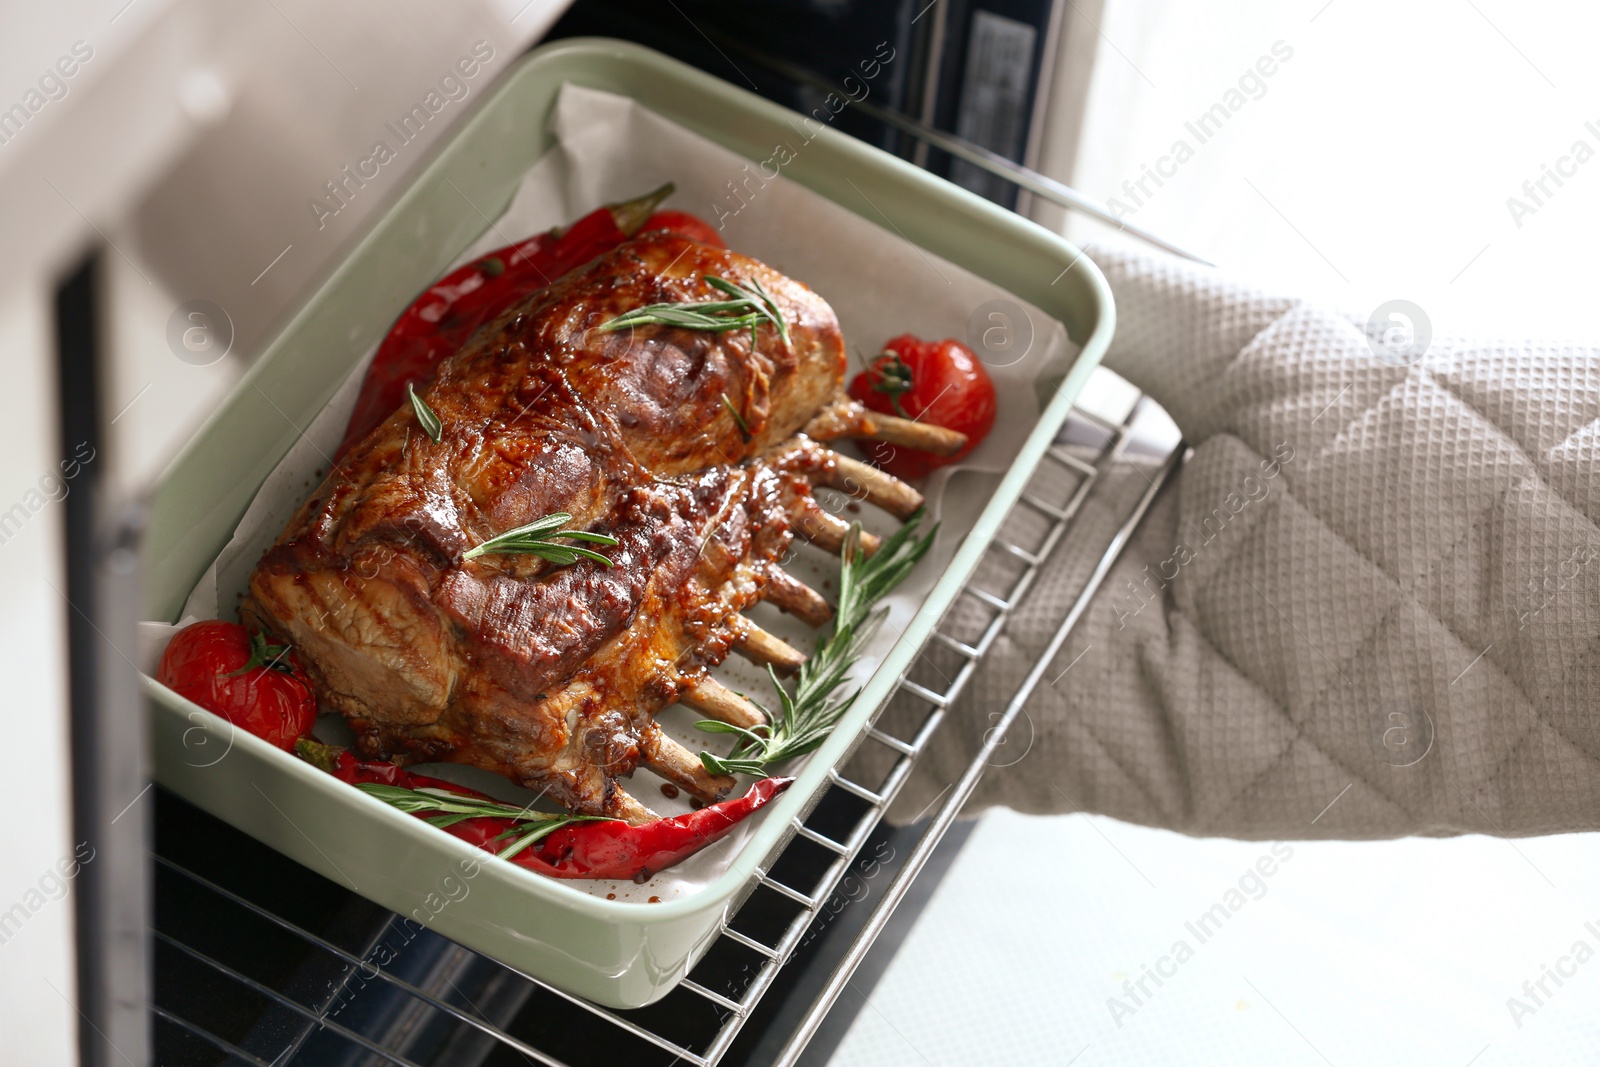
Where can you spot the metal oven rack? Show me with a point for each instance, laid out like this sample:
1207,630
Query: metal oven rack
360,986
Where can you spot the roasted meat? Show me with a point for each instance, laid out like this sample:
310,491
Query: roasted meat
684,445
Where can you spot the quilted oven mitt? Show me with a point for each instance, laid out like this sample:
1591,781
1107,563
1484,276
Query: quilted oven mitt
1368,605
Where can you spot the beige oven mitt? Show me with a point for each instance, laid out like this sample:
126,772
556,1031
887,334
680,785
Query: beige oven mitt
1368,605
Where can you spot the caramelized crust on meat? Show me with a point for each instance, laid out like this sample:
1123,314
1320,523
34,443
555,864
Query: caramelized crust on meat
663,388
551,675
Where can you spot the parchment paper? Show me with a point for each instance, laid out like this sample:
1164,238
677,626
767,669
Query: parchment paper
609,149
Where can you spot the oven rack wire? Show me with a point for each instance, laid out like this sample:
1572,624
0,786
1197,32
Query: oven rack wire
515,1018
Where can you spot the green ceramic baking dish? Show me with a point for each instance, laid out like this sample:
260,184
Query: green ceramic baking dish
618,954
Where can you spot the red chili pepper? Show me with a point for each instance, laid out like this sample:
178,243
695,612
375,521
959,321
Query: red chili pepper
608,849
684,225
440,320
613,849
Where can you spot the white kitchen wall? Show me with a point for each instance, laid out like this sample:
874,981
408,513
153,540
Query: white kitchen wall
1375,162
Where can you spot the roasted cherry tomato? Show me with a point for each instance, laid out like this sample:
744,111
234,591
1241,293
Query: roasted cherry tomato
254,685
938,382
684,225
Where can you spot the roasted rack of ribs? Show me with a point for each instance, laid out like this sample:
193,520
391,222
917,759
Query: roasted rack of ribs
696,450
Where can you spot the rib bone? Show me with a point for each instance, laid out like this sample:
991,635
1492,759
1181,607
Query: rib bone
761,647
677,764
711,697
826,530
851,419
790,594
871,484
625,807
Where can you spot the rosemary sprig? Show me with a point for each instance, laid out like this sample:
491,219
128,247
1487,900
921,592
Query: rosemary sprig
536,539
806,717
454,807
749,306
744,427
430,422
